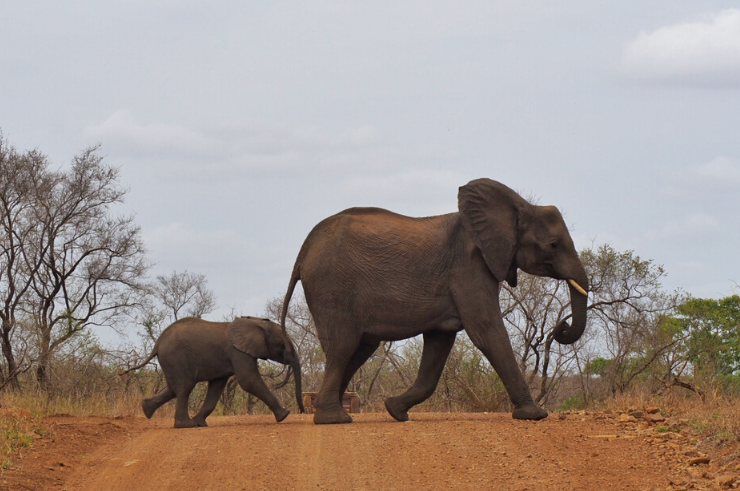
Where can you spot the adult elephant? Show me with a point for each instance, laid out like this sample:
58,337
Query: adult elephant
193,350
371,275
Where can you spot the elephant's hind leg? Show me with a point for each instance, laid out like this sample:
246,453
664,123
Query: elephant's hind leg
153,403
215,388
339,334
360,356
328,401
437,347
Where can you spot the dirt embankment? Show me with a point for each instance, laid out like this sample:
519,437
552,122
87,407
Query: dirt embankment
577,451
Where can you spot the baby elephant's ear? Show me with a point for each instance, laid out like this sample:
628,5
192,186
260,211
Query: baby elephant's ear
247,335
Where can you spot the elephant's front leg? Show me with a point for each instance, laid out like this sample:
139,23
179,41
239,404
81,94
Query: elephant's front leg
215,388
494,342
246,372
437,347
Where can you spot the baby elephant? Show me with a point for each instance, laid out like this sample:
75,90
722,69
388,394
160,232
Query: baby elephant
193,350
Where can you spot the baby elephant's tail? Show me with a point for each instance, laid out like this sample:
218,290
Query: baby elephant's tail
140,365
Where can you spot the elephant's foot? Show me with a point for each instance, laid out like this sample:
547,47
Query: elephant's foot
281,414
529,411
149,407
331,417
200,421
188,423
396,409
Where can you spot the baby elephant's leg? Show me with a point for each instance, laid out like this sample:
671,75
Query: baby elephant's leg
182,417
215,388
153,403
248,375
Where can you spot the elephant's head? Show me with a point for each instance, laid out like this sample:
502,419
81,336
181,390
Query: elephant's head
262,338
514,234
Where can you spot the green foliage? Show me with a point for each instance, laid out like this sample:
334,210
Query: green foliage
713,335
597,366
16,431
576,401
729,384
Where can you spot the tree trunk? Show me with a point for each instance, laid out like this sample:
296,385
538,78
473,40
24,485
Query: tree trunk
42,370
12,377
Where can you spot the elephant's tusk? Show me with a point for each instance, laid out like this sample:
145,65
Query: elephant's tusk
578,287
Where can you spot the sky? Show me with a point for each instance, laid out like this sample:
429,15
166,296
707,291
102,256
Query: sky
237,126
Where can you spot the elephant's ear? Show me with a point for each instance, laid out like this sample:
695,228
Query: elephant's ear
489,212
247,335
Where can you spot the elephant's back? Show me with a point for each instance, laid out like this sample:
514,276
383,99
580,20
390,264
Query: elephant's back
192,336
365,256
193,327
364,227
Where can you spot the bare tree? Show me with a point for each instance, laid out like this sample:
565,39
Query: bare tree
166,299
22,178
91,263
184,290
628,309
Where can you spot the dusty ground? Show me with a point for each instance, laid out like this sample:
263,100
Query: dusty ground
577,451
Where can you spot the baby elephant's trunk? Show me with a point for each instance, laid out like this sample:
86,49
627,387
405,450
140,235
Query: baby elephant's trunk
296,366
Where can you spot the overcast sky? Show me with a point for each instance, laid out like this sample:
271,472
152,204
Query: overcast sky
239,125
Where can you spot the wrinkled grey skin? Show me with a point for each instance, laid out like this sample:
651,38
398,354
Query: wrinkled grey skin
193,350
371,275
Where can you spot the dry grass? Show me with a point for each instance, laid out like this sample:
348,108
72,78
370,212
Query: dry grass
119,403
41,404
18,428
713,421
21,415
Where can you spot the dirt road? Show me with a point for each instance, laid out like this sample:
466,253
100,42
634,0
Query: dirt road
432,451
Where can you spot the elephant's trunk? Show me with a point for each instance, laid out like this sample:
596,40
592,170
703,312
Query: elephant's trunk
565,333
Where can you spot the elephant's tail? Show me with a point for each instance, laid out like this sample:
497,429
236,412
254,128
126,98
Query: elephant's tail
294,278
295,363
148,359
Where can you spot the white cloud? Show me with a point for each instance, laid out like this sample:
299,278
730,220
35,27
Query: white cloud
717,176
122,132
241,148
705,52
180,236
696,224
414,192
720,170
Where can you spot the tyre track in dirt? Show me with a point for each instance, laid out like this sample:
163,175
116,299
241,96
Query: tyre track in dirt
432,451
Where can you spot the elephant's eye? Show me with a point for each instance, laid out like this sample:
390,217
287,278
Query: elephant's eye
553,245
